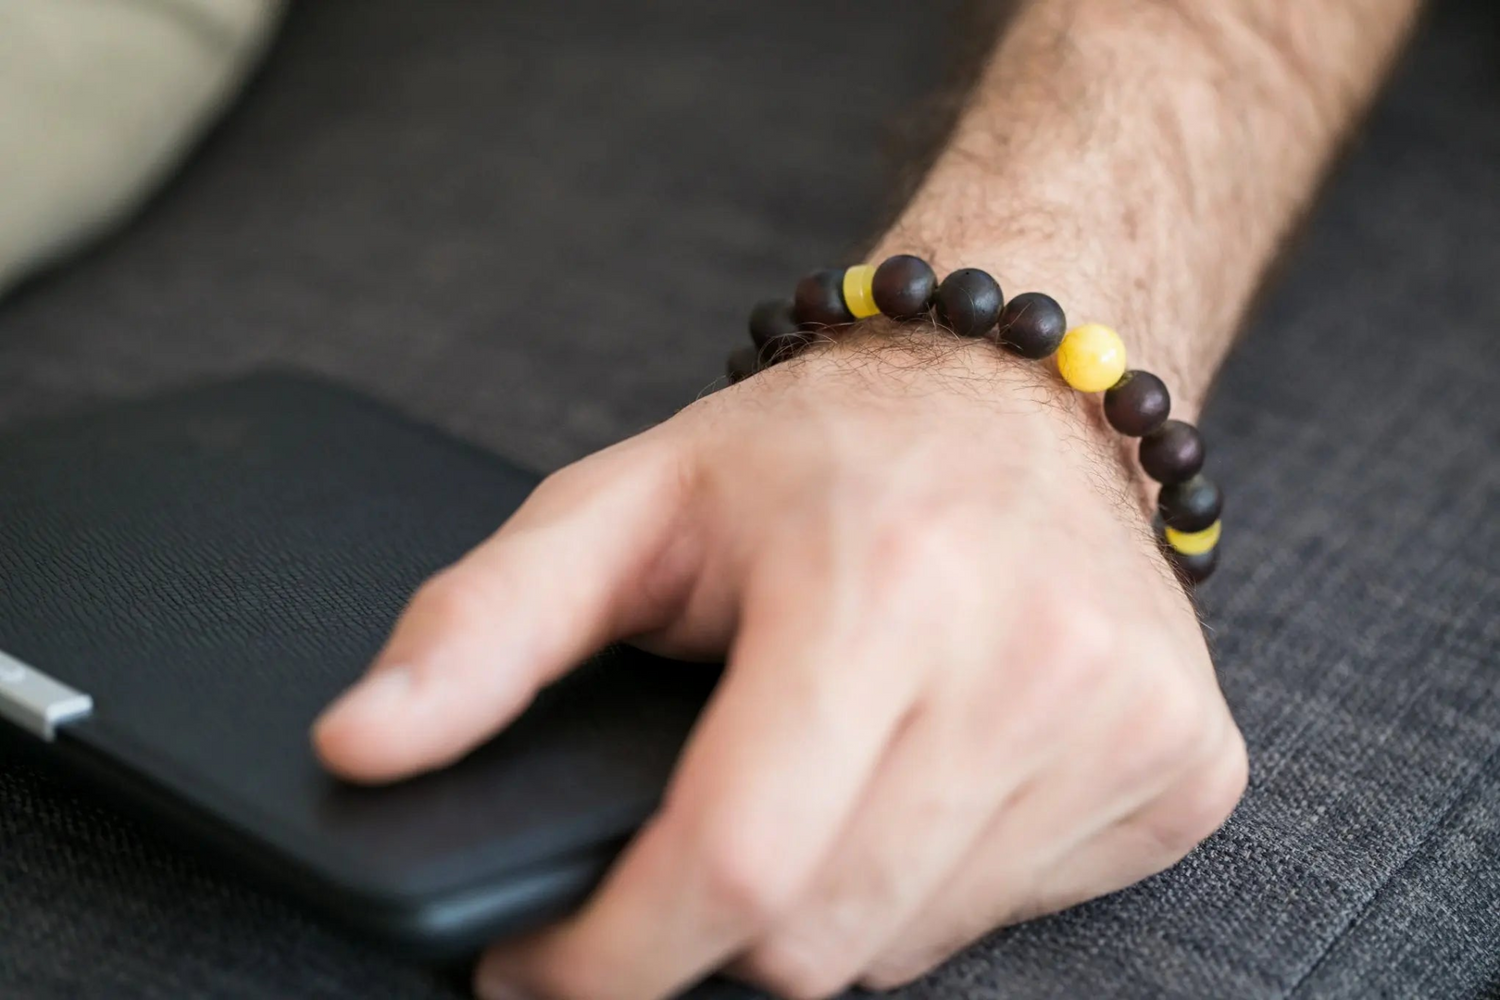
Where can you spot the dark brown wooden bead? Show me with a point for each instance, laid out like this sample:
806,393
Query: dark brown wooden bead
771,318
1137,404
819,300
1194,569
904,286
1032,325
969,302
743,362
779,349
1173,452
1192,505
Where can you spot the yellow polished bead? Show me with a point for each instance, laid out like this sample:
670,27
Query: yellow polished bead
1091,358
859,291
1194,543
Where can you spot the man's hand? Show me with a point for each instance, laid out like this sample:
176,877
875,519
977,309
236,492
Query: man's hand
963,687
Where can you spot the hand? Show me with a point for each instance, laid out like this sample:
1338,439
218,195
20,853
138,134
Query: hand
963,688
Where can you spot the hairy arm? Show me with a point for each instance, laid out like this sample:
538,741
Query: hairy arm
961,688
1143,161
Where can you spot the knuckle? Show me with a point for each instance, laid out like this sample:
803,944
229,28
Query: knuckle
1075,646
453,598
820,701
790,968
918,539
1218,787
652,460
743,879
921,560
737,887
1166,732
951,797
1080,636
1179,723
896,971
1202,799
561,483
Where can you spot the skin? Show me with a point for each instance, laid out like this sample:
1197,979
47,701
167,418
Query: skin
963,688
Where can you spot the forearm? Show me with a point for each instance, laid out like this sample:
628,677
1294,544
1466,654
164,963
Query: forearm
1143,160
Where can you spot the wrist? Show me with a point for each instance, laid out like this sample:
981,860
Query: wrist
1161,335
883,362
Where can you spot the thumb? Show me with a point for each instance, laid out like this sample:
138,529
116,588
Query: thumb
578,566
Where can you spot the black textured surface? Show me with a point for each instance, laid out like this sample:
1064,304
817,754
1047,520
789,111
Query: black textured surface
213,567
406,173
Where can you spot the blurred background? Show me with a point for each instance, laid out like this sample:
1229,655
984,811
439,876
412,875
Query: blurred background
540,224
488,198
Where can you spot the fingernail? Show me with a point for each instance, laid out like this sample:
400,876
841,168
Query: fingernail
490,988
375,699
503,991
492,982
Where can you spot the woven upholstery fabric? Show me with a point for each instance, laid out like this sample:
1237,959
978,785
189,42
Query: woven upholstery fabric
539,225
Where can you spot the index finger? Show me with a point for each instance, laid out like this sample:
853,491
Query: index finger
569,573
784,752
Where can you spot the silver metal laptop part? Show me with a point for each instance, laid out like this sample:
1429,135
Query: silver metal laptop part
37,703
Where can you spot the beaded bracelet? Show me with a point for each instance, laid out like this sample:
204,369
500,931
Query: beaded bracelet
1090,358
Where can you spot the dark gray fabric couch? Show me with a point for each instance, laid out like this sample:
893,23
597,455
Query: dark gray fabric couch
539,225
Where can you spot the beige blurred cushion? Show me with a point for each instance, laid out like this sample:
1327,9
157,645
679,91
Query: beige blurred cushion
99,99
